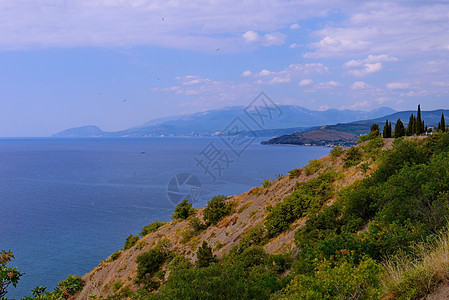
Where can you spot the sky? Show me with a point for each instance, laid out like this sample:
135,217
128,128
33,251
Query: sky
120,63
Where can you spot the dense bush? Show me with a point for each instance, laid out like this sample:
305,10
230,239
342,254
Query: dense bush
116,255
151,228
353,156
294,173
309,197
252,274
131,240
197,225
338,278
68,287
183,210
336,151
204,256
313,166
148,265
216,209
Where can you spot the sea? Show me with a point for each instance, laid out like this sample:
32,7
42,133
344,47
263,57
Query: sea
67,204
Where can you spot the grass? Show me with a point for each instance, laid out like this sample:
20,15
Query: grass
408,279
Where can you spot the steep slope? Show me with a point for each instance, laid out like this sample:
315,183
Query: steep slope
249,211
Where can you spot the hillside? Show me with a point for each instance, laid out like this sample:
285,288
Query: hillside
288,118
249,211
318,137
366,222
346,134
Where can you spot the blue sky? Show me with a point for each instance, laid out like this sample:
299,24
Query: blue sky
72,63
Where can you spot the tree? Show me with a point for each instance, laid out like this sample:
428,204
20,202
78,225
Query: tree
419,123
387,130
399,129
8,275
204,256
411,125
216,209
442,124
374,128
183,210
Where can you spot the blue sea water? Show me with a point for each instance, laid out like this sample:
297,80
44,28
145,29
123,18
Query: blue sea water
66,204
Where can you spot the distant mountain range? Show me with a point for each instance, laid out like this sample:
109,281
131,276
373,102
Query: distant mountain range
293,119
347,133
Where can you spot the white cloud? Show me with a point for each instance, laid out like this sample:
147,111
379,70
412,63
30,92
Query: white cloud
251,37
371,64
305,82
247,73
268,39
398,85
279,80
397,28
359,85
325,86
324,107
292,71
293,46
194,25
207,92
295,26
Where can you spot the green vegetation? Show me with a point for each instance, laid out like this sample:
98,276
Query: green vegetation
294,173
312,167
216,210
336,151
116,255
353,156
383,237
8,275
183,210
309,197
149,266
387,133
442,124
399,129
151,228
266,183
131,240
204,256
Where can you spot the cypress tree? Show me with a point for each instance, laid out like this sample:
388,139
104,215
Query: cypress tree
385,131
390,131
419,123
399,129
411,125
442,123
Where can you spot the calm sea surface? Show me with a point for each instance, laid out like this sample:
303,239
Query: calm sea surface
66,204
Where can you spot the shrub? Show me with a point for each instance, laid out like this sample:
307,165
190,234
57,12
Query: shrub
151,228
131,240
148,264
216,210
352,157
266,183
197,225
310,196
257,235
336,151
294,173
338,279
204,256
68,287
183,210
312,167
116,255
